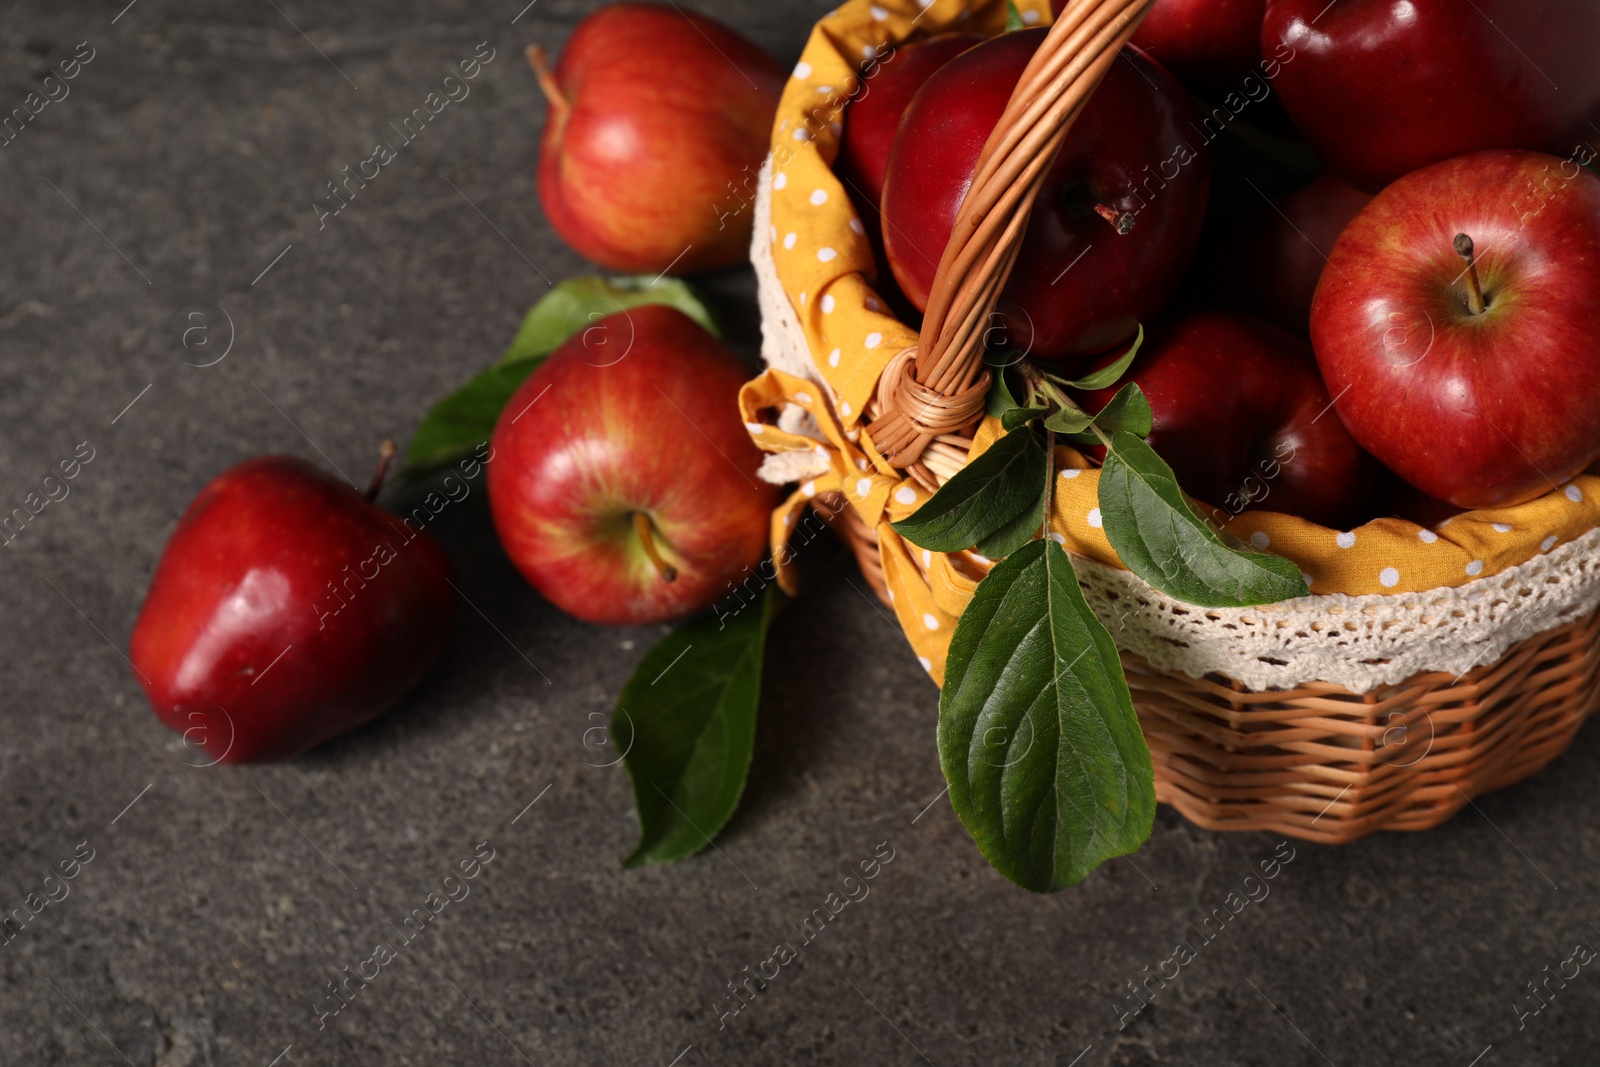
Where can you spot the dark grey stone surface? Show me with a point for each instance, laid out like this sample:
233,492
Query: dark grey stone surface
220,904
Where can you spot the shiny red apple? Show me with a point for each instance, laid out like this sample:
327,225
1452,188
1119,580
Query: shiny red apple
1211,45
1242,417
287,609
659,119
624,484
1267,263
871,118
1457,326
1382,87
873,113
1115,224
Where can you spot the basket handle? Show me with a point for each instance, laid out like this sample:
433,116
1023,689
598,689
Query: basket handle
939,386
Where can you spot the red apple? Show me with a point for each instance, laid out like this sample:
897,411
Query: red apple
1456,324
873,113
659,120
624,485
1268,263
1391,496
287,609
1114,226
1243,419
871,117
1382,87
1211,45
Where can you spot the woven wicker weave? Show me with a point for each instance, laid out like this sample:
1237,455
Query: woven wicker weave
1322,763
1316,761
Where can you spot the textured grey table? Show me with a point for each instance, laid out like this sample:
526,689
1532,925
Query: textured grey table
220,905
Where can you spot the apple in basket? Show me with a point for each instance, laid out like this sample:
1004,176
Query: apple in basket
658,122
873,113
1211,45
1268,263
624,485
1456,326
1114,226
1242,417
1393,497
287,609
1382,87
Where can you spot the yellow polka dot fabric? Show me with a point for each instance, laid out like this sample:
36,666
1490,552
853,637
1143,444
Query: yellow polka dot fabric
825,265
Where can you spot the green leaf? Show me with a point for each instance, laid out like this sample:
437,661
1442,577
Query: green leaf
1108,375
1069,421
1016,533
686,722
1000,399
580,302
1038,737
1127,412
1013,17
983,496
1159,537
463,420
1015,417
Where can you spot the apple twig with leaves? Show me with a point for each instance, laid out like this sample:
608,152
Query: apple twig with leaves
685,721
1038,736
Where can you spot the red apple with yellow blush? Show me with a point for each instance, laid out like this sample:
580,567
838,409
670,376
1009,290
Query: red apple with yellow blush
659,119
624,485
1456,325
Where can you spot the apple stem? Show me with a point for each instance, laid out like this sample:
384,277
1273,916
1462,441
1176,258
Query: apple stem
642,527
386,451
1122,220
539,60
1475,301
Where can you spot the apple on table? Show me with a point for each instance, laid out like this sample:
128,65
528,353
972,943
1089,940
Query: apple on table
288,608
659,119
624,485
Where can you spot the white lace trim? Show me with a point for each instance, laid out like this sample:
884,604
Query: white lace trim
783,342
1359,642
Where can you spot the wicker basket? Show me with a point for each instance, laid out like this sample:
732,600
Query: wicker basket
1325,764
1329,761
